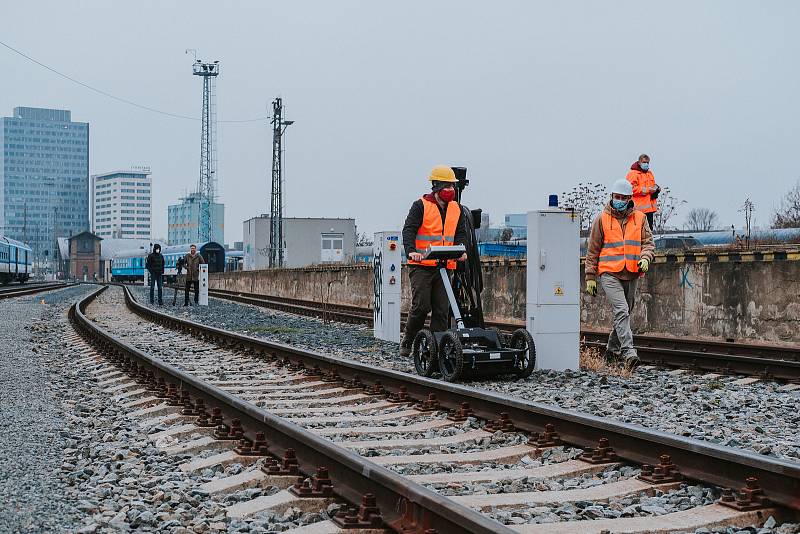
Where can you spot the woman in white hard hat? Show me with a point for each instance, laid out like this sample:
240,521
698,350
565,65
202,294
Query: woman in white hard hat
620,250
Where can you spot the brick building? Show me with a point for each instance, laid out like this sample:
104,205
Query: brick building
84,257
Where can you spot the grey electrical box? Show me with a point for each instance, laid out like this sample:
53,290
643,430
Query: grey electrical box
553,291
386,264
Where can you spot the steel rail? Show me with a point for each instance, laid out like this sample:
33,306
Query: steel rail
767,361
31,290
699,460
405,506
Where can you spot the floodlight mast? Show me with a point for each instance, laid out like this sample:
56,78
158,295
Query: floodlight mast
206,187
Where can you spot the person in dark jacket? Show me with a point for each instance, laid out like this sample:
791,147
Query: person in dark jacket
155,266
192,262
434,219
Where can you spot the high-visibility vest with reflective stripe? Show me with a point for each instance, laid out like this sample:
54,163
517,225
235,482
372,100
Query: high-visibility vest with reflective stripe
432,232
621,251
647,184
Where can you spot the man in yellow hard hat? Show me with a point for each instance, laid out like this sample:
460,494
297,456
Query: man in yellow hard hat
434,219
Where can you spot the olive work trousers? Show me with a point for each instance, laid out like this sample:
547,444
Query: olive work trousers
620,293
428,295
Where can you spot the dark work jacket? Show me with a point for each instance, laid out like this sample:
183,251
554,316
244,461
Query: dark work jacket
155,263
414,221
193,266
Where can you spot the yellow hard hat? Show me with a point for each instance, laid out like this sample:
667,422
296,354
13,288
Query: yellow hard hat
442,173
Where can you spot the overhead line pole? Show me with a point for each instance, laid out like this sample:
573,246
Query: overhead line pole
276,198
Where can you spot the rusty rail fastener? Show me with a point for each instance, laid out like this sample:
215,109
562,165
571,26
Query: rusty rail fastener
602,454
314,371
234,431
401,396
331,376
665,471
461,414
431,404
318,486
375,389
289,465
750,497
366,516
355,383
259,447
503,424
548,438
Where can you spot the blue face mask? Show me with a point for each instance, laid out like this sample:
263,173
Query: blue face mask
619,205
644,166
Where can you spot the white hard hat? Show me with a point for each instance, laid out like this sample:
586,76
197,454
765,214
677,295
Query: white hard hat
622,187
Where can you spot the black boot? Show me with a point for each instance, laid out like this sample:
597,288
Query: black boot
405,347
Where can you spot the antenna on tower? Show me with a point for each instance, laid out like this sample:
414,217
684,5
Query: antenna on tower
206,187
276,209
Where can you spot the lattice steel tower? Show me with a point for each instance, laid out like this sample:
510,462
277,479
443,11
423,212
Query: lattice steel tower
276,207
206,187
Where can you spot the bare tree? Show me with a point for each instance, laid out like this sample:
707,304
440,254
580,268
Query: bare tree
788,215
748,208
505,234
667,209
701,220
588,198
363,240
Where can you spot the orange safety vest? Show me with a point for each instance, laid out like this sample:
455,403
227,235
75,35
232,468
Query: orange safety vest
621,251
431,231
644,183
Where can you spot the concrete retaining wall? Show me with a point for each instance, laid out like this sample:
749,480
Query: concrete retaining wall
720,296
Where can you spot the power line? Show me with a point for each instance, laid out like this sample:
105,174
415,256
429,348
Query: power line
114,97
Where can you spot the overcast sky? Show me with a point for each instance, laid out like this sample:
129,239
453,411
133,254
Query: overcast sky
532,97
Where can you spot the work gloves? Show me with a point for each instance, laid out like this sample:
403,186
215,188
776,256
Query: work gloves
591,287
655,193
643,264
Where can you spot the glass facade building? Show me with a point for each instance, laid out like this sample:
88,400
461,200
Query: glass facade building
121,204
183,219
44,178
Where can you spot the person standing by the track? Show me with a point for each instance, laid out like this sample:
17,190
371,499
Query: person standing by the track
434,219
645,188
192,262
620,250
155,267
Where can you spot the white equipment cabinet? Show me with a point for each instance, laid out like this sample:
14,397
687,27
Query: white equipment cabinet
203,281
386,265
553,292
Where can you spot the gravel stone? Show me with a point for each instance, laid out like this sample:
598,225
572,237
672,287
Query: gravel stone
756,417
33,435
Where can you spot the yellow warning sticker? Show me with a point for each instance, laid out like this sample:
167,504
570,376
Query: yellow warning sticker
558,291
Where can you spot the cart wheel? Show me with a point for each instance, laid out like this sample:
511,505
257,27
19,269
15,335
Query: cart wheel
451,357
425,353
521,339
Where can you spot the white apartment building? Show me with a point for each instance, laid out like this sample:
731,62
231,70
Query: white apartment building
121,204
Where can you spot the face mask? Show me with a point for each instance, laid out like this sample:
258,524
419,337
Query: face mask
447,195
619,205
644,166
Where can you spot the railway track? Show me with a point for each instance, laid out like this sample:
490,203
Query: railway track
725,357
28,289
396,443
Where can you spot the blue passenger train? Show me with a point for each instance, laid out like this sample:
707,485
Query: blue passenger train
16,261
234,260
128,266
